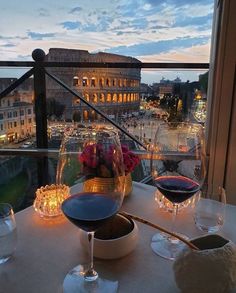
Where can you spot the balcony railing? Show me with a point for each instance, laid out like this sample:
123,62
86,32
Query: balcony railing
38,69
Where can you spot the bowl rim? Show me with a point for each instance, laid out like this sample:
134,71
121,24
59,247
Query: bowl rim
134,228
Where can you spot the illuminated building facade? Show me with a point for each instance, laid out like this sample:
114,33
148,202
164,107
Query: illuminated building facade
114,91
17,119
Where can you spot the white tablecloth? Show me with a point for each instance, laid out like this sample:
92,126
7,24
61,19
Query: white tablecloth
47,250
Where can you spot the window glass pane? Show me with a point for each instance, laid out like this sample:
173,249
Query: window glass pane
159,31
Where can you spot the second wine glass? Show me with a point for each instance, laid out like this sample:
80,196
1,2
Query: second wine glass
178,172
91,163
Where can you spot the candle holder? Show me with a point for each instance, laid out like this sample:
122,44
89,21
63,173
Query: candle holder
49,199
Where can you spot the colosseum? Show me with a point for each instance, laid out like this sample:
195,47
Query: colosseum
114,91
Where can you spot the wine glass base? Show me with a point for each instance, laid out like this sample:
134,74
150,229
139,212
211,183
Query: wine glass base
167,246
74,282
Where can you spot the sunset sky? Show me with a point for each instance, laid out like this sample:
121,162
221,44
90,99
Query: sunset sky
150,30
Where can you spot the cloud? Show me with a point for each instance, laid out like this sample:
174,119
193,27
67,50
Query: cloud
71,25
120,33
196,21
24,57
9,45
169,29
12,37
93,23
40,36
43,12
158,47
178,2
128,9
198,53
75,10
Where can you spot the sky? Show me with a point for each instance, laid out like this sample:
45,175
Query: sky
149,30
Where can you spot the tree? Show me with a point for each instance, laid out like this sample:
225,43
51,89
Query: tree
54,108
203,80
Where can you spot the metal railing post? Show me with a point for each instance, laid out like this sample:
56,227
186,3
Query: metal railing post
40,113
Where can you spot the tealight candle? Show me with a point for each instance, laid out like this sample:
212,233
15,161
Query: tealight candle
49,199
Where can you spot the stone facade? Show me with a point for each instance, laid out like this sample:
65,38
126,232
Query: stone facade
114,91
17,119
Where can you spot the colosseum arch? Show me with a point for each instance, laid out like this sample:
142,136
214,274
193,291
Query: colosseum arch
85,81
93,82
95,98
108,98
108,83
102,82
75,81
86,97
76,101
114,98
85,115
120,98
102,98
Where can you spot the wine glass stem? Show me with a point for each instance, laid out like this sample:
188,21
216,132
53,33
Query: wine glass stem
90,274
174,215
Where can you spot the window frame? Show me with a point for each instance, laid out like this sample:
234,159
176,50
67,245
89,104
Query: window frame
221,95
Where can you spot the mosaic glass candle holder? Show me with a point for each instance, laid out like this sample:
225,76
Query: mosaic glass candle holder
49,199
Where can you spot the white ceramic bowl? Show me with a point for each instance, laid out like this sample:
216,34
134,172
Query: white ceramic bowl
124,238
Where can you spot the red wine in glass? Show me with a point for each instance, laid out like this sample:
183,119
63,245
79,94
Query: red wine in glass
178,173
176,188
91,205
89,210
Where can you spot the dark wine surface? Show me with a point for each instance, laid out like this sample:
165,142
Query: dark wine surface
89,210
176,188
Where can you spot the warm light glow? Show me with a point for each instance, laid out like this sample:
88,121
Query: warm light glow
49,199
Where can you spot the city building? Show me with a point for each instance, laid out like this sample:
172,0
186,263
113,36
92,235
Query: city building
146,91
27,85
114,91
16,117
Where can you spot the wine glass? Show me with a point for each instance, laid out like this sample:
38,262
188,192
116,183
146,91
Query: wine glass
178,171
91,163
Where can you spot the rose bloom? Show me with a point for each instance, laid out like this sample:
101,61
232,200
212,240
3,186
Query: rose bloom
97,158
89,156
130,161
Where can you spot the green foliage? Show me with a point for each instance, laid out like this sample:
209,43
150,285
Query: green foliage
13,190
203,80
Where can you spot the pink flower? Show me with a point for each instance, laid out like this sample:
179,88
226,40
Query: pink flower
89,156
130,161
97,160
124,148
